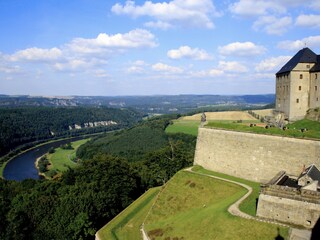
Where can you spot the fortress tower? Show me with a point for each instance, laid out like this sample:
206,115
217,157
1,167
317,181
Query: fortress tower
298,85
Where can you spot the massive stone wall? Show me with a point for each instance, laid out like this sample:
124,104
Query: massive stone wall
281,209
253,156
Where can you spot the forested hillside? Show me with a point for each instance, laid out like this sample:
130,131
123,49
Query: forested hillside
23,125
114,170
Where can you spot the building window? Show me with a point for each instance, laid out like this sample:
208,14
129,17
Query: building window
316,88
308,66
316,76
297,100
317,99
299,88
301,76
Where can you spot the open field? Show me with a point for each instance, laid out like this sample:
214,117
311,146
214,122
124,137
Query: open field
228,115
263,112
127,224
190,124
195,207
249,204
184,126
61,159
292,131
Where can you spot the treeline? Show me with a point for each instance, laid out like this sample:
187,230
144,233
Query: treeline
24,125
115,169
73,207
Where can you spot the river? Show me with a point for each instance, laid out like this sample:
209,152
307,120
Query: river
23,166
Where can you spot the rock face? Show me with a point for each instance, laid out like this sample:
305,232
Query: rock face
251,156
93,124
313,114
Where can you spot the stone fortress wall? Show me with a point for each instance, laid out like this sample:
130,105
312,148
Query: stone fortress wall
278,202
252,156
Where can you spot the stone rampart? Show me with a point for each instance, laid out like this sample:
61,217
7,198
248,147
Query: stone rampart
291,193
288,210
252,156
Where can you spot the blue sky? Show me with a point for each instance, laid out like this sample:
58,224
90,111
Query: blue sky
108,48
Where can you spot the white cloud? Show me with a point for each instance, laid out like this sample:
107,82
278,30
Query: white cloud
269,7
100,73
308,21
137,38
272,64
196,13
241,49
187,52
139,63
161,67
10,69
256,7
158,24
272,25
232,66
78,64
36,54
215,72
137,67
312,41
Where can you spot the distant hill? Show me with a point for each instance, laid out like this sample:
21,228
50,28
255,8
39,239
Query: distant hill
27,124
157,104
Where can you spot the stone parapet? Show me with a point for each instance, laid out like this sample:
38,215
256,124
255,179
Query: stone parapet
253,156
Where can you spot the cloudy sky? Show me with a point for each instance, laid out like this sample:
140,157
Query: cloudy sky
115,47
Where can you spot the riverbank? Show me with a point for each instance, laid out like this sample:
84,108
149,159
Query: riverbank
36,164
4,164
60,160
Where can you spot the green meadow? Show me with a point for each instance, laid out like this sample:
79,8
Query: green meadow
192,206
292,131
184,126
195,207
62,159
126,225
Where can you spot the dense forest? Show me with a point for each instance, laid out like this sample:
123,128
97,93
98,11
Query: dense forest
23,125
115,169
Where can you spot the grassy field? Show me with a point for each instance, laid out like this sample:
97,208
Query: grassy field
190,124
226,115
249,204
195,207
127,224
184,126
61,159
293,131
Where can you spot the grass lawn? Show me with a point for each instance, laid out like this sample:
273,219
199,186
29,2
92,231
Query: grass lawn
249,204
61,159
293,131
127,224
195,207
184,126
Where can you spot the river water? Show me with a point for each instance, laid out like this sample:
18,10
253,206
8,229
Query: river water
23,166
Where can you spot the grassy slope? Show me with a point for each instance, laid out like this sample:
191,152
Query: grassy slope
195,207
293,131
184,126
127,224
61,159
249,204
